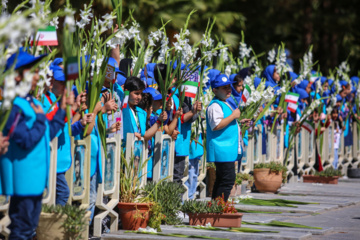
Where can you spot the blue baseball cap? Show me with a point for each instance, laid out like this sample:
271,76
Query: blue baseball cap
22,59
58,74
154,93
221,80
112,62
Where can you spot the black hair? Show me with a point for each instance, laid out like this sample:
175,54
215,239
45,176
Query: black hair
125,66
146,101
237,79
160,67
134,84
246,72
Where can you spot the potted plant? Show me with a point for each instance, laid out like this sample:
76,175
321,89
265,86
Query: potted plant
328,176
133,209
210,177
216,212
236,190
247,181
269,176
62,222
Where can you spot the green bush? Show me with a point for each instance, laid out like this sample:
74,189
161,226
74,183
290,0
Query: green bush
329,172
168,195
75,222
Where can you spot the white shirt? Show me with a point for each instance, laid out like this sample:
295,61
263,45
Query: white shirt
215,114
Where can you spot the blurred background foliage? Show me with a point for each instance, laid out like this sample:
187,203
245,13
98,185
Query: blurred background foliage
332,26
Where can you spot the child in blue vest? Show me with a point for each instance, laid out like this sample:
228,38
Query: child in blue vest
222,136
153,122
64,141
24,169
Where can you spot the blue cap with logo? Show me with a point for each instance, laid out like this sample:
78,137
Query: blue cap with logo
154,93
221,80
21,59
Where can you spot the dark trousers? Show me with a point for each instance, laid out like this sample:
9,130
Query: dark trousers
62,189
179,169
24,213
225,179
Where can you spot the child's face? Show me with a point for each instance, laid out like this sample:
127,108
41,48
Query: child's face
334,115
276,76
325,86
239,86
58,87
308,88
223,92
315,116
157,104
135,97
338,104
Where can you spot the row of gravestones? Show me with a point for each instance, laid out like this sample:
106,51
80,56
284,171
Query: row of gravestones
305,146
78,176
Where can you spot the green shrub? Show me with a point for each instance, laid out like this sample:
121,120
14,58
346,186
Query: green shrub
329,172
168,195
75,222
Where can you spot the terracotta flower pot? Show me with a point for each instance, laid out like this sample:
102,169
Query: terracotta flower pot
235,191
318,179
49,227
266,181
211,177
134,215
216,219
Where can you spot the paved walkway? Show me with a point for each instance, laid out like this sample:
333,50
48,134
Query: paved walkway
338,214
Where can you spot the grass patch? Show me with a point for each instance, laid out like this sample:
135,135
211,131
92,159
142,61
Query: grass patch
177,235
241,229
273,202
281,224
253,211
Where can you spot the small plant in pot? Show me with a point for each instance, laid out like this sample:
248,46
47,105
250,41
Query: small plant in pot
247,181
134,210
62,222
328,176
216,212
269,176
236,190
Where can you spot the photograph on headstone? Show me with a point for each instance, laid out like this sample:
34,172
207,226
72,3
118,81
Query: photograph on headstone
79,170
109,166
138,155
165,152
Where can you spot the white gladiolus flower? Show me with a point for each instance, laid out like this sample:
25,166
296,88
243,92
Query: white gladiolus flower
244,51
271,55
86,16
248,81
228,70
148,55
9,92
70,23
55,22
281,90
147,229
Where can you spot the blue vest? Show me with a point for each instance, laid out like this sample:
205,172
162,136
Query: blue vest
25,172
196,150
64,140
129,122
45,102
222,145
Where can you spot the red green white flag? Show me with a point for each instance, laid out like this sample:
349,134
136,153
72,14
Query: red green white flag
246,93
190,88
292,107
72,68
313,77
46,37
126,99
291,97
308,126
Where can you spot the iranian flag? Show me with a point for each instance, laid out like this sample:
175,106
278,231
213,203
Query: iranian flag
72,68
292,107
126,99
313,77
190,88
308,126
46,37
246,93
291,97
